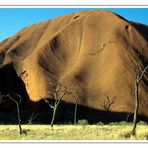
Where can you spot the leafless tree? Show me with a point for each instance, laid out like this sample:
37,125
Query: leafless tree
18,110
108,103
58,92
32,117
75,112
74,96
138,76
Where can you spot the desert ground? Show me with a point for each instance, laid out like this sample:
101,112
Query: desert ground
74,132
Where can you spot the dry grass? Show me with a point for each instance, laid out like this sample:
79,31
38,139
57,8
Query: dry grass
71,132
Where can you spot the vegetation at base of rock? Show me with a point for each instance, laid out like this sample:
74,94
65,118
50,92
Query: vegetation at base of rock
73,132
83,122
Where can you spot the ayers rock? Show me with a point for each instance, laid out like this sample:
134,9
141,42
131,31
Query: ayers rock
94,51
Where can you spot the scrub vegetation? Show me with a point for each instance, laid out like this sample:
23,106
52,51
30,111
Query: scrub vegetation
112,131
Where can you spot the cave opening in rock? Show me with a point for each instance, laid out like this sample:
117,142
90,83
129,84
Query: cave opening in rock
11,84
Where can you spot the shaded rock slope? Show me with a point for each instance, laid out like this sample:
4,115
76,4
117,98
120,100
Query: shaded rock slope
93,51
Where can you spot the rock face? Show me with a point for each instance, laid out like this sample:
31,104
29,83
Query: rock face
94,51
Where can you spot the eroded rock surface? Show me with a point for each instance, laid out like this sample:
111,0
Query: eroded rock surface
94,51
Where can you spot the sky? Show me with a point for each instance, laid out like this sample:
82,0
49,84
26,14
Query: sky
13,20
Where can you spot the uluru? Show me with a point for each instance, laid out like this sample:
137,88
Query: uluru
93,51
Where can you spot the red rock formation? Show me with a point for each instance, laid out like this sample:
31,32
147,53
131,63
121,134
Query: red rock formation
94,51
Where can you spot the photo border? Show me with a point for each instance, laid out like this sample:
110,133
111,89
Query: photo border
74,141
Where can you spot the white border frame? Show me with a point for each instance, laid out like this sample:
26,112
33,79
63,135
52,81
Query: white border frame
17,4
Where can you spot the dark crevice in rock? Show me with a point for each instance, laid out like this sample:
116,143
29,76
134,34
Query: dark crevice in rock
76,17
11,84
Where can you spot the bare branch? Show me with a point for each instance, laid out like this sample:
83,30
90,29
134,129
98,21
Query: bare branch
65,92
75,96
50,83
58,101
20,98
12,99
51,106
33,116
143,72
113,101
58,88
51,92
108,103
